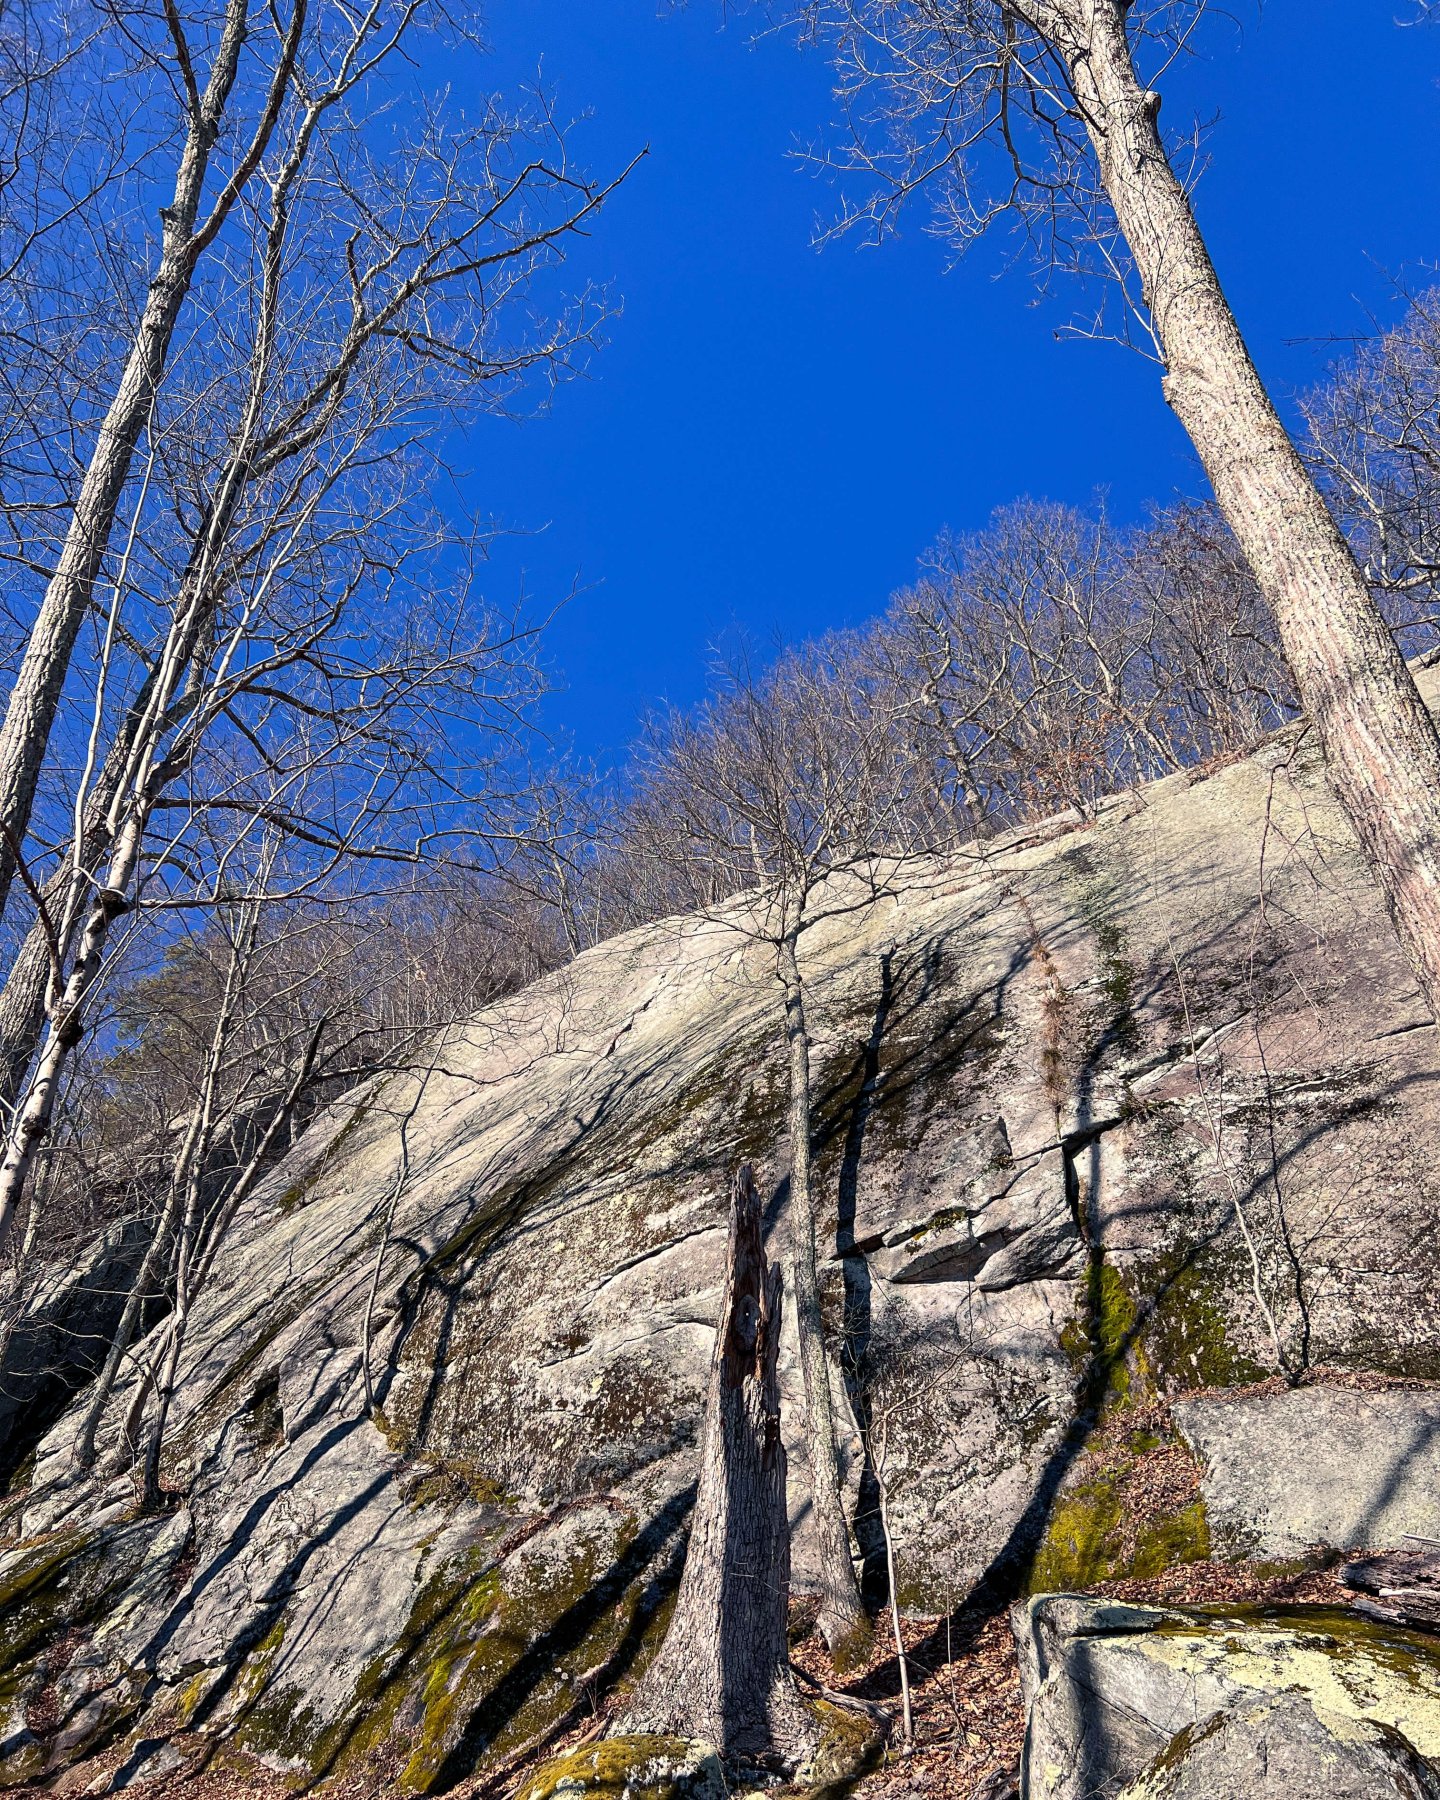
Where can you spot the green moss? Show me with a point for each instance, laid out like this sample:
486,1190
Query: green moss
1157,1327
439,1478
55,1584
471,1645
451,1608
192,1696
1099,1337
1102,1528
1081,1547
1087,1541
851,1652
849,1745
31,1591
643,1766
1187,1341
1117,983
1166,1542
62,1583
458,1666
273,1720
1180,1746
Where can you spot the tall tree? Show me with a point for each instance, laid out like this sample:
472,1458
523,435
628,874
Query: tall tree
784,793
1037,106
374,297
206,85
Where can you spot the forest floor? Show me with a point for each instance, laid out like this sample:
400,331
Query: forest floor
965,1680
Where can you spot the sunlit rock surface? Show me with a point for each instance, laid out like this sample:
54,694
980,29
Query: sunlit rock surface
1125,1697
1107,1112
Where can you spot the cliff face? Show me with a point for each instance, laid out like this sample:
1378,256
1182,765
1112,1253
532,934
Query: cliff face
1108,1114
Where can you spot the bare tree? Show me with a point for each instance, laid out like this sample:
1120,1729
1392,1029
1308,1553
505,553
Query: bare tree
271,119
789,786
190,225
1375,442
376,297
1037,109
1049,660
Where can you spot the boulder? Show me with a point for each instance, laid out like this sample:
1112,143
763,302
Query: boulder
1110,1689
1329,1466
1282,1748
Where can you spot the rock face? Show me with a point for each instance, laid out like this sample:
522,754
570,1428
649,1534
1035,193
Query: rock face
1055,1074
61,1336
1154,1703
1317,1466
1281,1748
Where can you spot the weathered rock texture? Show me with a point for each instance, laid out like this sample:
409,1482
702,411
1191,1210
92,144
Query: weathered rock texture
62,1330
1282,1748
1316,1466
1122,1695
1055,1075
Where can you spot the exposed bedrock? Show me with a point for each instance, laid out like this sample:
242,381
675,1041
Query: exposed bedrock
1109,1113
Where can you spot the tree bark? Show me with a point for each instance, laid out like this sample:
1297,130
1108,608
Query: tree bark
1379,741
33,701
135,773
1405,1585
723,1672
842,1620
24,997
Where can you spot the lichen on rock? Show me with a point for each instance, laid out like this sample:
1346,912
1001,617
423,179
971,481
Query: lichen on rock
640,1767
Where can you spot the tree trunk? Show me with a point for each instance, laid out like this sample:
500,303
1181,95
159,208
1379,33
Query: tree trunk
33,701
723,1672
31,1126
1379,741
842,1619
22,1006
24,997
135,762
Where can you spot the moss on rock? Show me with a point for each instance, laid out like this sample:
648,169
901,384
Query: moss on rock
1081,1544
1186,1337
639,1767
850,1744
1105,1526
488,1660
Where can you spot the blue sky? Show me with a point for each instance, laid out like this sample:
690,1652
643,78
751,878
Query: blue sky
774,434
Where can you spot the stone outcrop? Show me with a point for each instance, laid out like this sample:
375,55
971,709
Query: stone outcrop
1330,1467
1123,1698
59,1340
1056,1074
1282,1748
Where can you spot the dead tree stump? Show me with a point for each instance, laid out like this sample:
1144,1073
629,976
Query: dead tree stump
723,1672
1405,1585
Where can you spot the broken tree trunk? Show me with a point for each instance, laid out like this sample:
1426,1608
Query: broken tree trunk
723,1672
1405,1586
